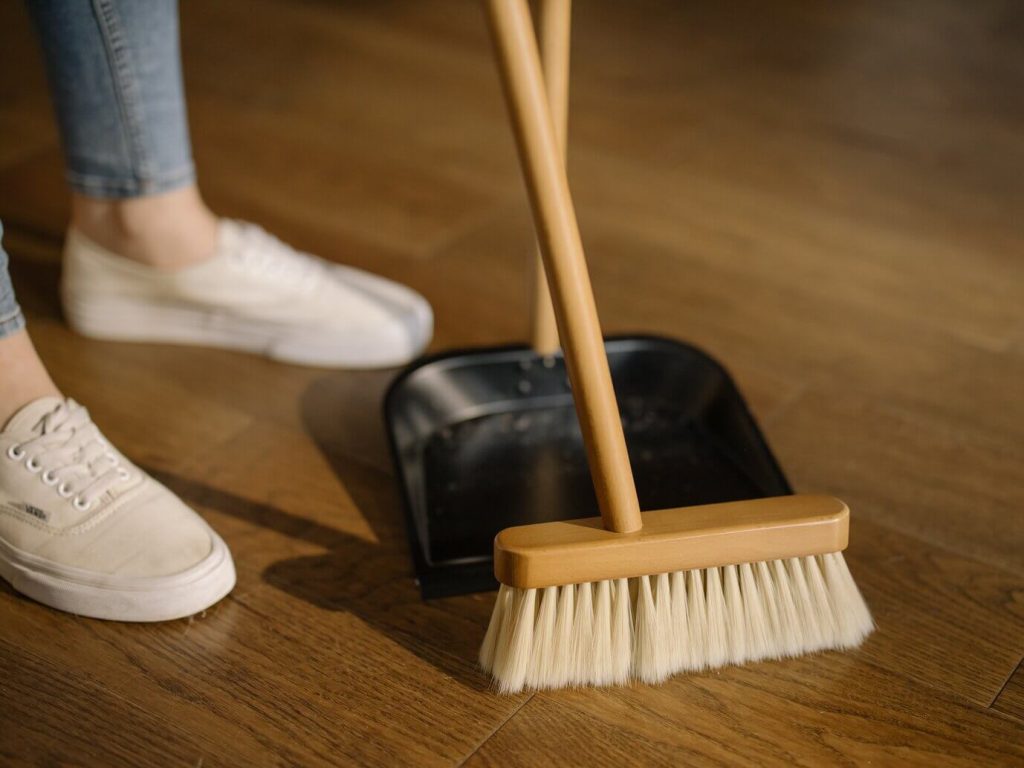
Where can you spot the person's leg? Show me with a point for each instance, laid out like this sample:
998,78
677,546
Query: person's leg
23,378
81,528
115,71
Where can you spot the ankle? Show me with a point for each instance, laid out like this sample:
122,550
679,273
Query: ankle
168,231
23,378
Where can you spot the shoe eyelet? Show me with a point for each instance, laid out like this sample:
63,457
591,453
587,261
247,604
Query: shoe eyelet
81,504
15,453
49,477
123,473
32,465
64,490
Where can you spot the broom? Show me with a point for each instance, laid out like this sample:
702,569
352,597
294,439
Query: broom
623,597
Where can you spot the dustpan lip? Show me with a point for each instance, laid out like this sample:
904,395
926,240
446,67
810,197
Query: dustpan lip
394,387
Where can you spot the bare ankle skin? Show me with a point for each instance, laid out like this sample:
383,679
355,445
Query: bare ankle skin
168,231
23,377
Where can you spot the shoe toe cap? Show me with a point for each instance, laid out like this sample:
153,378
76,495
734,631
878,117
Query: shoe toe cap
150,535
394,298
362,321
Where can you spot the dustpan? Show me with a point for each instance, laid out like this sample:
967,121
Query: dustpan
485,439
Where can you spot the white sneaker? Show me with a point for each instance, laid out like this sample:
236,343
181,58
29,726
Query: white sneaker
85,531
255,294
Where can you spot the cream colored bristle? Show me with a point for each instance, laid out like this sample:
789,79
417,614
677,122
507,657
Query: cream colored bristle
679,656
757,629
542,652
852,615
696,621
645,649
770,601
583,636
734,618
603,628
814,638
822,604
622,633
791,637
717,642
494,628
664,637
563,661
514,664
650,627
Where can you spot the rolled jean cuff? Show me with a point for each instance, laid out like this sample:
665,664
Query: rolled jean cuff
92,185
11,322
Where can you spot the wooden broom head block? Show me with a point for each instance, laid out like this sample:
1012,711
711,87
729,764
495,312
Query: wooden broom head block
682,539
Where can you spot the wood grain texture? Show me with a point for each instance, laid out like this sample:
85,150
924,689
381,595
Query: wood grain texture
827,201
804,712
1010,700
83,710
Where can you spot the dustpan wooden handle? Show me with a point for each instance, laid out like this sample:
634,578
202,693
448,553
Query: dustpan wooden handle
554,28
564,264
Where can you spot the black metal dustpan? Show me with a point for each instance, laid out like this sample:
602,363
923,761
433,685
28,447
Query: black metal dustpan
486,439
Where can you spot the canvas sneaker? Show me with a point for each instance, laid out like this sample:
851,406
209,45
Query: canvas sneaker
256,294
85,531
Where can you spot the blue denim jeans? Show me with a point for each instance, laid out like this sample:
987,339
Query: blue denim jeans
114,68
11,319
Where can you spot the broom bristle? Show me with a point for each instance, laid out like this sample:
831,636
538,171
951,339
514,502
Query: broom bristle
648,628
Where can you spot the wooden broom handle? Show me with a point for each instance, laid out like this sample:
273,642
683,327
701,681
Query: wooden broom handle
566,268
554,26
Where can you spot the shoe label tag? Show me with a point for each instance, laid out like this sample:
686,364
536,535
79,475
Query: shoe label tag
26,509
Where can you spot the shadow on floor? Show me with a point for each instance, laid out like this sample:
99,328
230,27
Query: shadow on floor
372,581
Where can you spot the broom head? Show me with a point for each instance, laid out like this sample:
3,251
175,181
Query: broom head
695,588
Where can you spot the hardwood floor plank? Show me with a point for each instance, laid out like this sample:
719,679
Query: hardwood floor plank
902,467
823,710
1010,700
400,174
98,726
928,604
233,679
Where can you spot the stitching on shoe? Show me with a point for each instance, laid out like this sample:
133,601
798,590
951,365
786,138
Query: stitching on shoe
88,524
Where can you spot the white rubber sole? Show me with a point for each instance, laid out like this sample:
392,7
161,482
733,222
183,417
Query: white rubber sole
121,319
113,598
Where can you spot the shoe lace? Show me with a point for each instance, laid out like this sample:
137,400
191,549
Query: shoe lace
71,455
262,254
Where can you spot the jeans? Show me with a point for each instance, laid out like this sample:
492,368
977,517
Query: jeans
114,68
11,319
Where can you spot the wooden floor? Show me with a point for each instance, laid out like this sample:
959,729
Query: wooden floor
831,199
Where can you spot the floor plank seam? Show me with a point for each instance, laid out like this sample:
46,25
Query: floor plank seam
1006,682
951,695
494,733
